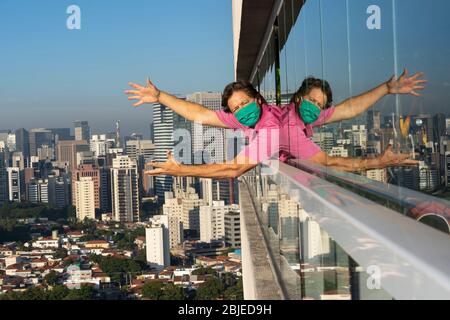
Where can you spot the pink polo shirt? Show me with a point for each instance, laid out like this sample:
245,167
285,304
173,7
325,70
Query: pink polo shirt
280,132
295,135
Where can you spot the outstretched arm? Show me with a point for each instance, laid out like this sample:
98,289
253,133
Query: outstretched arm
234,169
188,110
387,159
355,106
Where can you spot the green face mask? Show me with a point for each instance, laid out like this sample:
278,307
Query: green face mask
249,115
309,112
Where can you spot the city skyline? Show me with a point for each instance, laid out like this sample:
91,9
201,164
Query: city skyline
82,73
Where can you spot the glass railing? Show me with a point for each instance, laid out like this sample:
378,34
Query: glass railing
329,242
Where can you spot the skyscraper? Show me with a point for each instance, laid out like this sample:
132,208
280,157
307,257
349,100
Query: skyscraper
207,143
163,140
14,184
84,198
373,121
137,148
39,137
152,132
157,242
61,134
439,127
82,130
66,151
87,171
23,143
213,220
125,189
3,179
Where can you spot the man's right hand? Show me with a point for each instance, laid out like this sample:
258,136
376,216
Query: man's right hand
391,159
149,94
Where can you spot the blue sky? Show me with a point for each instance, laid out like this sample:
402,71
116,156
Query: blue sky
52,76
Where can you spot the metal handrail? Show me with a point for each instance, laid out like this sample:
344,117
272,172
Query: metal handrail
413,258
410,202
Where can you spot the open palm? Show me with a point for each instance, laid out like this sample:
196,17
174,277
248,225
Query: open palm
406,85
390,159
170,167
148,94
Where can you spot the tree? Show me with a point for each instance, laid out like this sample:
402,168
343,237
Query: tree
172,292
210,290
152,290
203,271
86,292
235,292
52,278
58,292
60,253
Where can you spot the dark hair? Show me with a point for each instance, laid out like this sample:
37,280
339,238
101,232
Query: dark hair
241,85
311,83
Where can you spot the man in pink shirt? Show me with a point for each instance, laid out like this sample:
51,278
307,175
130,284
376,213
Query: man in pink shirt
273,131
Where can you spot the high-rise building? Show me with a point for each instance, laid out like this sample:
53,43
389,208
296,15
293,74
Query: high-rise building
152,132
118,136
53,191
100,144
85,157
87,171
191,209
3,179
429,178
447,169
373,121
45,152
59,191
157,242
82,130
208,144
447,125
173,208
61,134
40,137
217,222
163,141
185,206
66,151
11,142
18,160
339,151
14,184
23,142
439,127
406,177
325,140
216,190
359,136
125,189
232,223
84,198
377,175
140,148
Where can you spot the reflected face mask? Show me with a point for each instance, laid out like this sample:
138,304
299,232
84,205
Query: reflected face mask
249,115
309,112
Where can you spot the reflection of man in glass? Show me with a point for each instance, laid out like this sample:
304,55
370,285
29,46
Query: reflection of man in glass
314,98
245,108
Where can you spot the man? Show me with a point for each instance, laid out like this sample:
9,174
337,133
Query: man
244,108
